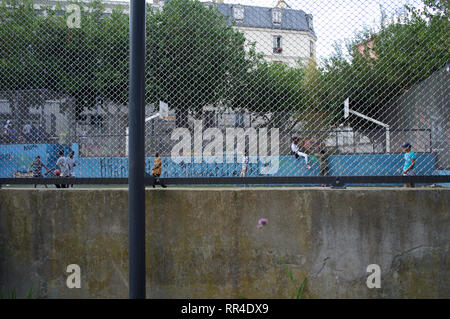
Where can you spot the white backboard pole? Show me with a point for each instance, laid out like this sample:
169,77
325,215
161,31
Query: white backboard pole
346,107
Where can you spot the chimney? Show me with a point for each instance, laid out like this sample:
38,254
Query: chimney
283,5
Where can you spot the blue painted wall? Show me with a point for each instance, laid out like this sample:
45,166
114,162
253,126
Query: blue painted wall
118,167
18,157
15,158
378,164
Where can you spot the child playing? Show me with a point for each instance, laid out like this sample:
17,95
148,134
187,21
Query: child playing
297,153
37,169
410,160
157,163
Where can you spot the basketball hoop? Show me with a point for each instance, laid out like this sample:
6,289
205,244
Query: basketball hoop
162,114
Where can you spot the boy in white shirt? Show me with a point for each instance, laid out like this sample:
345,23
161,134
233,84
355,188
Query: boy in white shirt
63,167
297,153
245,161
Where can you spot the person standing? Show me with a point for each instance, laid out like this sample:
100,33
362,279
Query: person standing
63,168
410,161
244,169
157,169
322,154
37,166
6,126
27,132
245,161
320,151
71,164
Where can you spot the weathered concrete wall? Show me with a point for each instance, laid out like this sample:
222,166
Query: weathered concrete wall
204,243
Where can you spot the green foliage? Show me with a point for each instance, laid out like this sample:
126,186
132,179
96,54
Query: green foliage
194,57
272,88
393,59
298,289
6,293
29,293
45,54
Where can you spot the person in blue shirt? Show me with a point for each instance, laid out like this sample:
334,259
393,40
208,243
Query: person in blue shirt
410,161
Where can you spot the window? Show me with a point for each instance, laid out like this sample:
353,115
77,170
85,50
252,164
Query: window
238,12
277,44
239,119
311,48
276,16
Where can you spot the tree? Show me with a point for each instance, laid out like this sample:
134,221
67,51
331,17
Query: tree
18,68
40,52
273,90
395,57
194,58
92,61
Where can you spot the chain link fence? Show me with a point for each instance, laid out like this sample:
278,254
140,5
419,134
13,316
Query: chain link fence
251,88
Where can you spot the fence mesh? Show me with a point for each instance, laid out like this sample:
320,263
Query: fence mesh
233,88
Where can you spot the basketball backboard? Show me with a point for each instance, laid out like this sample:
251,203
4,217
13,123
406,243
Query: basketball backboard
163,109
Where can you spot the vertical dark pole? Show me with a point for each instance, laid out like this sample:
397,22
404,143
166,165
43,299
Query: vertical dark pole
136,187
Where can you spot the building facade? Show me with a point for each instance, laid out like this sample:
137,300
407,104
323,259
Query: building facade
282,34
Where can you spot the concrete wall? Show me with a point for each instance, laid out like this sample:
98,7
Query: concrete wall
204,243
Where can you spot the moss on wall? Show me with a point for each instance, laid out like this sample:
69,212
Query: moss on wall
205,243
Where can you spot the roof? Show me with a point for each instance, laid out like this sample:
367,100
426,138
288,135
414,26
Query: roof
254,17
261,17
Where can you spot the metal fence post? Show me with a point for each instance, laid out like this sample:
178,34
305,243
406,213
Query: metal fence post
136,155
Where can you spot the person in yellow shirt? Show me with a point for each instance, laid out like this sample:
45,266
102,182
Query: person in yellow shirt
157,169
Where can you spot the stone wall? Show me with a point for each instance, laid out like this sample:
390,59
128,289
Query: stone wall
204,243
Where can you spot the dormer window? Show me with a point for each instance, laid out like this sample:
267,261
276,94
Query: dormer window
309,20
276,16
238,12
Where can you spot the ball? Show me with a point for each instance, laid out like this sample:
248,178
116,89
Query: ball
57,173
